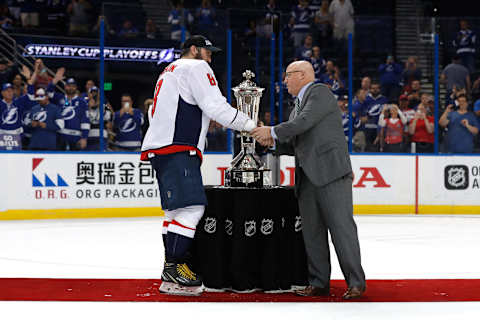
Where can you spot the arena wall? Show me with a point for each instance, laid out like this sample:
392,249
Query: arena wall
85,185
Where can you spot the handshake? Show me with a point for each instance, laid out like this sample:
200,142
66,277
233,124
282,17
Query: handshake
263,135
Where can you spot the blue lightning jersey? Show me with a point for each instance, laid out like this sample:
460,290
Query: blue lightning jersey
373,109
75,113
128,129
45,138
12,114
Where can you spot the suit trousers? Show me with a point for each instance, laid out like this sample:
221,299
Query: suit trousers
329,209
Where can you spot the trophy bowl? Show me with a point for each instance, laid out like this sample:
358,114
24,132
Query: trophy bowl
247,169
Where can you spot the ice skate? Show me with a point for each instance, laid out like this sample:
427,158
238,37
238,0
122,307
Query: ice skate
178,279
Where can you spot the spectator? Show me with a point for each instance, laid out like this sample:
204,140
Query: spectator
464,45
374,104
18,86
178,18
462,127
78,11
392,123
390,73
319,64
300,21
127,124
424,99
29,13
421,128
272,15
10,113
452,98
26,102
411,71
85,95
206,16
358,108
323,22
128,30
147,105
14,10
46,120
343,105
7,70
106,26
476,109
150,29
342,12
413,93
366,83
73,108
93,113
305,52
43,78
333,79
6,19
456,74
408,112
251,32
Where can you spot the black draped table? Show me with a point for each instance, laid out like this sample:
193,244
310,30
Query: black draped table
250,238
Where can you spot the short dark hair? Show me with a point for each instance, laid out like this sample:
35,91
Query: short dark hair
462,96
126,95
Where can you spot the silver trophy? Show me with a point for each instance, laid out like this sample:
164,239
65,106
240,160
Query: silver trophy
247,169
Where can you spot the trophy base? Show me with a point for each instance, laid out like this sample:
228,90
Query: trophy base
248,178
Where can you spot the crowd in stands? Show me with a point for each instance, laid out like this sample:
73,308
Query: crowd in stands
40,117
392,111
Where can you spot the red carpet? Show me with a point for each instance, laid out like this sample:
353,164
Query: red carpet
146,290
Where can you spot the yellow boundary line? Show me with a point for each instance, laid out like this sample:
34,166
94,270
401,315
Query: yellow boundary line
157,212
80,213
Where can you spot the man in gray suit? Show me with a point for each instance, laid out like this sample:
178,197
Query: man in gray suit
323,180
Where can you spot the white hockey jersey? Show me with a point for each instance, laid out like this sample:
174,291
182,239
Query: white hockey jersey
186,98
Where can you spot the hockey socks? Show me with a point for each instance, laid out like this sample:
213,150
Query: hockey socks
177,247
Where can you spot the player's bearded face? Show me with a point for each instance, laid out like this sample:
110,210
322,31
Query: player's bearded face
204,54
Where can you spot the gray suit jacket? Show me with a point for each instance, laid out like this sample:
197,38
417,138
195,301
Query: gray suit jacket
316,138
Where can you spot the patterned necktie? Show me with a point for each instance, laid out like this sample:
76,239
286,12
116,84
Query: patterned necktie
296,103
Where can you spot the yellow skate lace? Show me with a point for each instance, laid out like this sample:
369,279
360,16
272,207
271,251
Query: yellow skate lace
185,272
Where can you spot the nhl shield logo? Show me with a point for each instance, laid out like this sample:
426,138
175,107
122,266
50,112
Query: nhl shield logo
456,177
298,223
250,228
229,226
267,226
210,225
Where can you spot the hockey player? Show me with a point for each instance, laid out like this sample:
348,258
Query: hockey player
186,98
74,111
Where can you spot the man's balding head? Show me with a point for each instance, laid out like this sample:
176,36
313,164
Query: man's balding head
298,74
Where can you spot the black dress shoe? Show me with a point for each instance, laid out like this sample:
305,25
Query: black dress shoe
312,291
353,293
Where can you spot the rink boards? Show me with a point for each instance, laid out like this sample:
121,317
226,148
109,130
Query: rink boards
76,185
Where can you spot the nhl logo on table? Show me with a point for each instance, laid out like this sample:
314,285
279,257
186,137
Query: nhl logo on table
210,225
298,223
250,228
267,226
229,227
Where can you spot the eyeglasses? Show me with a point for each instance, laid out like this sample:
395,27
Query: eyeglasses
289,74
